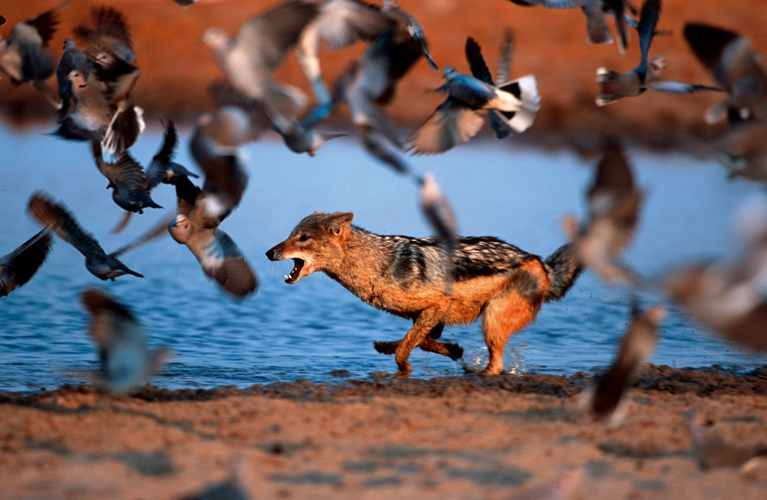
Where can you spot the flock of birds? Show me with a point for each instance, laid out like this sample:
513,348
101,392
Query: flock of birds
98,71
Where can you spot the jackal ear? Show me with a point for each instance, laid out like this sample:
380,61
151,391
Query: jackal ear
338,221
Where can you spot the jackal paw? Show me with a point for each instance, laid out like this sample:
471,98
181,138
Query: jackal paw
455,351
386,347
404,370
491,370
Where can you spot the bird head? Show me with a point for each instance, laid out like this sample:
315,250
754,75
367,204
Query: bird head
570,227
215,38
180,228
658,63
449,72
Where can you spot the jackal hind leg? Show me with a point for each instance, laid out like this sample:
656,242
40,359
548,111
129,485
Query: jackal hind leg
508,312
426,321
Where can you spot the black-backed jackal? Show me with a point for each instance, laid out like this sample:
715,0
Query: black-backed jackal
407,277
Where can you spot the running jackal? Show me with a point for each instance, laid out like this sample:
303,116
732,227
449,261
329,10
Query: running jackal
406,277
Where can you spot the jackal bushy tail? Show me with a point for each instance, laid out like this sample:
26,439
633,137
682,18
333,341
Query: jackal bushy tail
562,267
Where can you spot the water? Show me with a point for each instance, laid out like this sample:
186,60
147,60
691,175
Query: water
308,330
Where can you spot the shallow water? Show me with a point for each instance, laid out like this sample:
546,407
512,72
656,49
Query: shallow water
310,329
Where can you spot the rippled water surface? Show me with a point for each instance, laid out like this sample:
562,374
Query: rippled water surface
308,330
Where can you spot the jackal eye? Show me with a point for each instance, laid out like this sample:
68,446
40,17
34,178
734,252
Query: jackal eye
304,237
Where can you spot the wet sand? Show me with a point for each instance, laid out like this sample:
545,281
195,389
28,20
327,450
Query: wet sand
176,67
510,437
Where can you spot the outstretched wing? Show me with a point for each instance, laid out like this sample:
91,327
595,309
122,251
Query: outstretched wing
125,173
477,62
450,125
60,221
19,266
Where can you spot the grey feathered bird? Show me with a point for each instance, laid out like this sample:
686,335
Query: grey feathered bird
127,179
736,66
596,23
371,82
200,211
124,356
613,212
339,23
58,219
603,400
728,297
460,116
249,59
24,55
19,266
439,214
110,39
163,168
104,107
73,62
409,36
614,85
365,88
302,137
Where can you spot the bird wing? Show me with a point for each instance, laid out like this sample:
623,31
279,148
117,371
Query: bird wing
156,231
648,20
505,55
165,154
268,36
476,62
672,87
60,221
343,22
451,124
225,177
111,35
125,173
25,261
726,54
222,260
110,320
45,25
187,194
613,172
438,212
384,151
750,329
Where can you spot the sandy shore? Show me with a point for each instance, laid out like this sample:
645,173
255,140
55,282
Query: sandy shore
510,437
458,437
551,44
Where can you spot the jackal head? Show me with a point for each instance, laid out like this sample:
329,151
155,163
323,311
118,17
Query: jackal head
316,244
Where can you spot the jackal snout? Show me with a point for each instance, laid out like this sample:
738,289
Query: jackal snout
274,253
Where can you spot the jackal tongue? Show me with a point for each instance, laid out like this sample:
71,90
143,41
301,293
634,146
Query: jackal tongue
298,264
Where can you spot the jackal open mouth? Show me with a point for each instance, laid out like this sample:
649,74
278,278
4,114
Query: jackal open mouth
298,264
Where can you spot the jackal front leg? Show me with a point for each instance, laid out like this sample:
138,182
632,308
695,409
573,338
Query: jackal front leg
426,321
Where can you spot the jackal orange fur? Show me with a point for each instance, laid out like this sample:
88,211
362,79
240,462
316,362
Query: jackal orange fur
407,277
